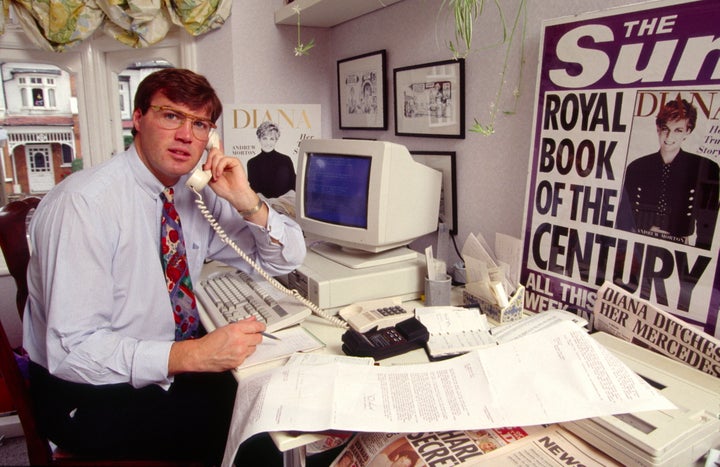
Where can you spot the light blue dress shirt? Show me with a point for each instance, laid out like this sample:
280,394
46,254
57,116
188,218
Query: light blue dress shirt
98,310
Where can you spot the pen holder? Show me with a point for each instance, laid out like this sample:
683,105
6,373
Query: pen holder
512,312
437,291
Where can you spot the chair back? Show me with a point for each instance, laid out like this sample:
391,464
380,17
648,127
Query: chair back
14,244
38,447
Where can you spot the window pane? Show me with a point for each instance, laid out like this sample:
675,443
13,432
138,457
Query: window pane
38,98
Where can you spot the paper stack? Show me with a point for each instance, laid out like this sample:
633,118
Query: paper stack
493,281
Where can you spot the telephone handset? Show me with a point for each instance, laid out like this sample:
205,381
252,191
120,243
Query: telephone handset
199,178
197,181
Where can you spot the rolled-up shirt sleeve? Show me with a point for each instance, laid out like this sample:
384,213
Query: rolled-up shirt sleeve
278,248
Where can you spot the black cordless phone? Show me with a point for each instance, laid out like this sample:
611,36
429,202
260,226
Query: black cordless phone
408,335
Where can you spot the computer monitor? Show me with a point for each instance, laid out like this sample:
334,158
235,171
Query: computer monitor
364,200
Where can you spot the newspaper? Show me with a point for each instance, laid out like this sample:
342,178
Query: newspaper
426,449
590,216
635,320
550,447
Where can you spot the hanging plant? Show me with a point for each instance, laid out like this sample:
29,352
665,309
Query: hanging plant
301,49
465,13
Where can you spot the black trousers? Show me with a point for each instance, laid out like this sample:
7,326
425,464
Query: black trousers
188,421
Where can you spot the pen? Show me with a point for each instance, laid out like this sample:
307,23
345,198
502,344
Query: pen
267,334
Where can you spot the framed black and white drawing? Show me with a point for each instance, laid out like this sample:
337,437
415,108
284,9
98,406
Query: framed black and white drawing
443,161
362,93
430,99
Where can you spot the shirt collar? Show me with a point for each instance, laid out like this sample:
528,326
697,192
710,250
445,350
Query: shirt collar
147,181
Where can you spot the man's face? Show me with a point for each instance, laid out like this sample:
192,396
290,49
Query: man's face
168,154
672,134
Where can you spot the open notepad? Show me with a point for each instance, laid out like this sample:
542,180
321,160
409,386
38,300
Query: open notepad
290,340
454,330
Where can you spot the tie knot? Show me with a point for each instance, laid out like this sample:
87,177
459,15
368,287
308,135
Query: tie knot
168,194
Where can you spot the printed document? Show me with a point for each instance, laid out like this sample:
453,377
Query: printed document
557,374
454,330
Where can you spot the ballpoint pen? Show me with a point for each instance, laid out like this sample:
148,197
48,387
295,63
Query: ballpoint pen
267,334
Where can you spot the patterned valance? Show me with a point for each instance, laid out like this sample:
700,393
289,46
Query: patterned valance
58,24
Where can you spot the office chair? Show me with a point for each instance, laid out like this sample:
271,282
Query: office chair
13,242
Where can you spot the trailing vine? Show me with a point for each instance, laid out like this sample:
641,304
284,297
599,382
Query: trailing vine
300,48
465,13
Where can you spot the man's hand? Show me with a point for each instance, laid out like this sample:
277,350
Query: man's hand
223,349
230,181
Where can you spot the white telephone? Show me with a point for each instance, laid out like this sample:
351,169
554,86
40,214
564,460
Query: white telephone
199,178
371,314
197,181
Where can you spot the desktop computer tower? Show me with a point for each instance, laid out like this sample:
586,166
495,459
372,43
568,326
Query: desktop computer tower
331,285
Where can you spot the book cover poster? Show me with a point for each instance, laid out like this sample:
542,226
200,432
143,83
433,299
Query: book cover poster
266,138
623,182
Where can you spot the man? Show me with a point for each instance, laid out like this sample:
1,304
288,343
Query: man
108,375
672,194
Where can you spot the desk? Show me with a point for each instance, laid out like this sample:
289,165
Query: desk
294,446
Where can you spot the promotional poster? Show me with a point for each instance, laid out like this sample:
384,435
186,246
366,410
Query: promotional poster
623,182
266,138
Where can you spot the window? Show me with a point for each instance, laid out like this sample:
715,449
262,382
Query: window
41,91
40,161
38,97
67,155
97,106
125,106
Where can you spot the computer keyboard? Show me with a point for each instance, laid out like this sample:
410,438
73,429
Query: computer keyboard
234,295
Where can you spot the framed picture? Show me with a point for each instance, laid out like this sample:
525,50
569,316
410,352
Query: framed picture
443,161
430,99
362,93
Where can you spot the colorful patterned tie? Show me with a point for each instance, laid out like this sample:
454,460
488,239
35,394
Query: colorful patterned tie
174,261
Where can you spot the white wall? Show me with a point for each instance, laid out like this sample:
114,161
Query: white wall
251,60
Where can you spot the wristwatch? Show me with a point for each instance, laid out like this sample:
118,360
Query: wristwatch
252,211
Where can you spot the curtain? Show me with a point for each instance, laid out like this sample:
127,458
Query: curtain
59,24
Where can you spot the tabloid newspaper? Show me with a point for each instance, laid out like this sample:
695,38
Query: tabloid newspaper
623,177
426,449
552,446
621,314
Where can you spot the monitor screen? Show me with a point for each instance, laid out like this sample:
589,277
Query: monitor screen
337,189
363,201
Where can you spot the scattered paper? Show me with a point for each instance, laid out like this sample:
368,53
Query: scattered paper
454,330
560,374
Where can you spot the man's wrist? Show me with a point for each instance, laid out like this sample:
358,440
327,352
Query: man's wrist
253,210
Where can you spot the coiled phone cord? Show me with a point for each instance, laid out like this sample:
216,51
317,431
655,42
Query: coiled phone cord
294,293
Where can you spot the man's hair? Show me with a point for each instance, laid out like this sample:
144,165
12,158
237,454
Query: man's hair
266,127
180,86
679,109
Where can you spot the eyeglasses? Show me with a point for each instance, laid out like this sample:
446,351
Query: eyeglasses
172,119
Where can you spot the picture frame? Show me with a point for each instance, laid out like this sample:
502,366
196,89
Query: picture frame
430,99
362,92
443,161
